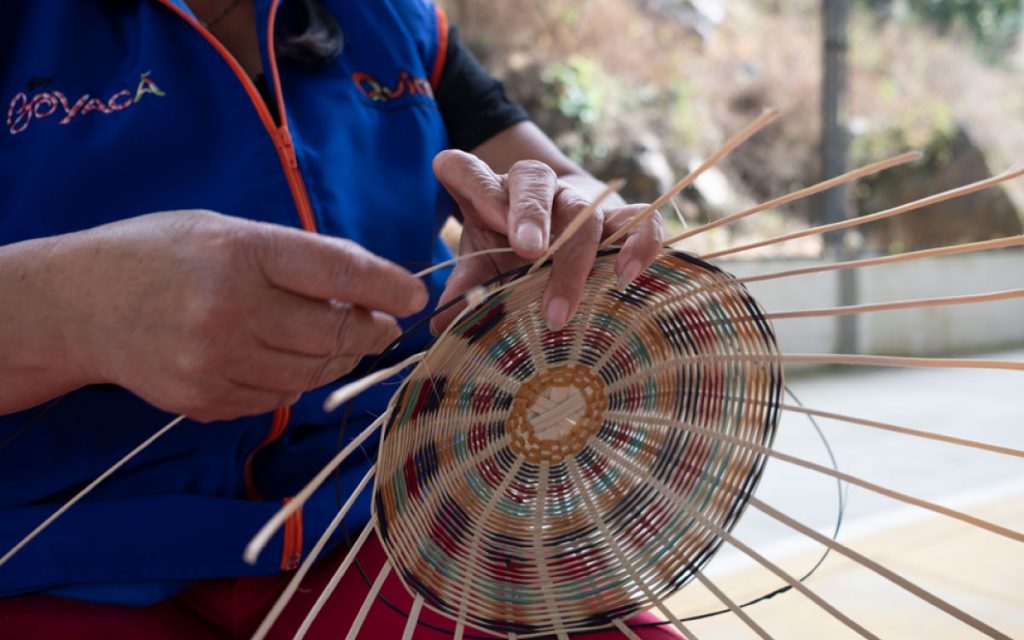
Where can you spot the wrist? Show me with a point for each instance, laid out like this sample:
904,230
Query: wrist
67,282
35,334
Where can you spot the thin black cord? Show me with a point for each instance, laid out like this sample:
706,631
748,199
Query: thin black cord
379,360
840,512
343,427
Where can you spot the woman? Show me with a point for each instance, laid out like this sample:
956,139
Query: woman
212,207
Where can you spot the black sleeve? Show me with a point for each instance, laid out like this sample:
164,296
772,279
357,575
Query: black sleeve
473,104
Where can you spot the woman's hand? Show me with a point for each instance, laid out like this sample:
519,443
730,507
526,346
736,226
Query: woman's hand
217,317
524,209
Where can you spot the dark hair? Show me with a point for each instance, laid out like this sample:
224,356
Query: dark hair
307,34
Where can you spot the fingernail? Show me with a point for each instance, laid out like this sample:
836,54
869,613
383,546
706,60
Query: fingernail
433,330
557,313
530,237
629,273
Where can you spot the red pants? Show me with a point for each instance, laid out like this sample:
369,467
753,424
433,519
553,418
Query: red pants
233,608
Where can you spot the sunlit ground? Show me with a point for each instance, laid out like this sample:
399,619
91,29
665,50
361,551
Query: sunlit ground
973,569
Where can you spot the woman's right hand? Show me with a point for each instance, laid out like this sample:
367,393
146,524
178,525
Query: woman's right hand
218,317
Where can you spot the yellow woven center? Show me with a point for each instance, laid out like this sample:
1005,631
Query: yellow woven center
555,413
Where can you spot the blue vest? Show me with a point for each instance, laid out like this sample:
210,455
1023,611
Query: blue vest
116,108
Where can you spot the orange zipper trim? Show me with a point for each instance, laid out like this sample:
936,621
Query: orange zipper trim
277,427
442,47
291,546
282,138
285,146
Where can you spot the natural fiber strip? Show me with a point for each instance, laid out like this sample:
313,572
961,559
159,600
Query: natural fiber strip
898,361
829,358
413,618
538,541
922,303
475,541
332,584
583,488
888,213
928,435
267,531
849,176
704,522
888,574
762,121
87,489
307,563
577,222
624,628
860,482
935,252
735,608
911,587
985,245
353,389
894,428
473,502
462,258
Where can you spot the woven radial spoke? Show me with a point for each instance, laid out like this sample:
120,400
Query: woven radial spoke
530,480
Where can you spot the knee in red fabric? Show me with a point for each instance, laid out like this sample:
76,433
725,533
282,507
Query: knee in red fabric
233,608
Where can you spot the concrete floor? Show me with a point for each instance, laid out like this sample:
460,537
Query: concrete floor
973,569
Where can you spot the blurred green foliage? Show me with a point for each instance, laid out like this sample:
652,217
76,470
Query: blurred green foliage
578,85
995,24
926,125
936,143
685,118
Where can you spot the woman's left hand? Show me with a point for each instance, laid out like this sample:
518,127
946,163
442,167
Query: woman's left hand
524,209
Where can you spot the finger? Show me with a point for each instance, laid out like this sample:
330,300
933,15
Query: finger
305,326
286,373
335,269
465,276
474,186
226,400
531,191
242,400
572,263
642,245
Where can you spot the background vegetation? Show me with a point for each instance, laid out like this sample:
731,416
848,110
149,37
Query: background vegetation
644,89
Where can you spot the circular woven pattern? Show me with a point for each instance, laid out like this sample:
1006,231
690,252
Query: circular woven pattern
533,481
555,413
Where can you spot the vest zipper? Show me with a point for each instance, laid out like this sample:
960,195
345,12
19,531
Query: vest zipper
285,147
286,150
282,139
280,135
